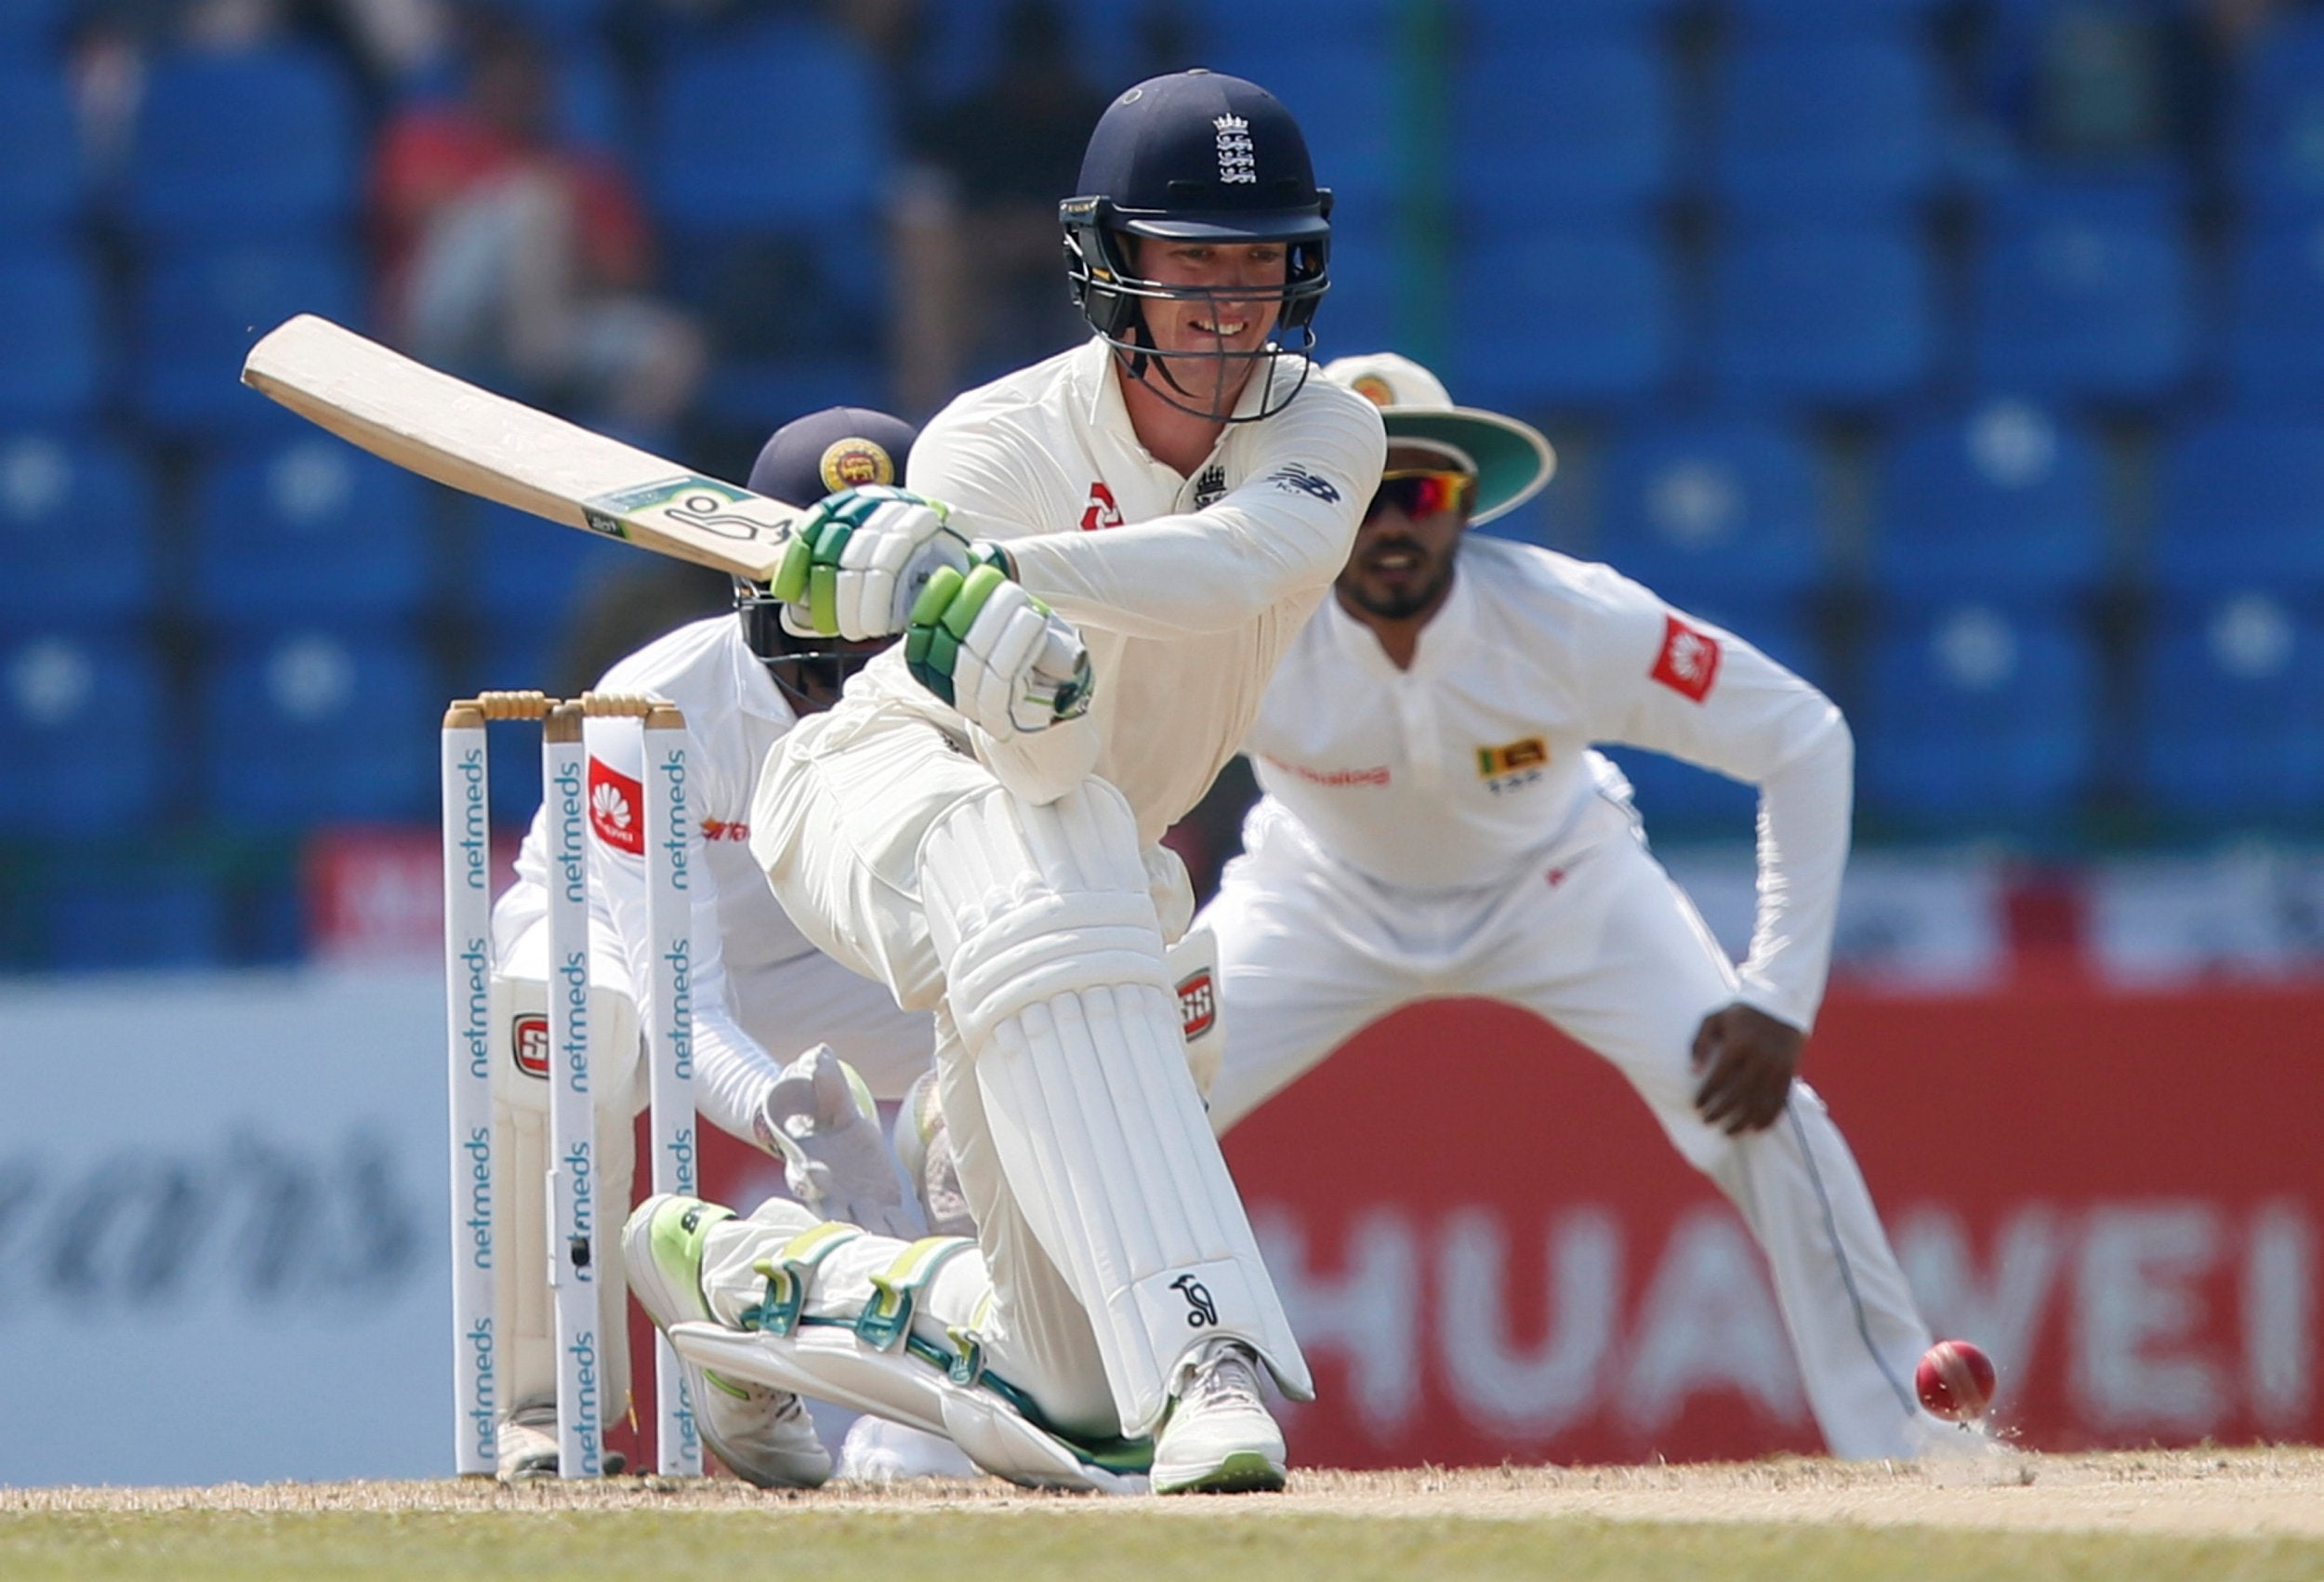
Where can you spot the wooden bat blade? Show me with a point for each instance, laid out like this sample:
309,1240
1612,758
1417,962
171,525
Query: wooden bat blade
448,429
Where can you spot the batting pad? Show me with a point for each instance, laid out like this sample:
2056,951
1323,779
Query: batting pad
1055,975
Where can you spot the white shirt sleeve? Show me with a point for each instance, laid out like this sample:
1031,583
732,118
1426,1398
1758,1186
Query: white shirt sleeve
1284,530
732,1072
1658,678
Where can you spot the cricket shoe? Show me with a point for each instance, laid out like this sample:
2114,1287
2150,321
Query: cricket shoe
1219,1437
762,1436
528,1443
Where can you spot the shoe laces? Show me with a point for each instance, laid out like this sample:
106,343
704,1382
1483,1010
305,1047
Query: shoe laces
1228,1376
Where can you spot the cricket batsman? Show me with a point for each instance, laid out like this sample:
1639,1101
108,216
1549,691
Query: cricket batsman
1102,559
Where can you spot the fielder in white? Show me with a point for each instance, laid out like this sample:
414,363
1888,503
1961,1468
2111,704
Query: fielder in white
1137,530
1435,823
757,984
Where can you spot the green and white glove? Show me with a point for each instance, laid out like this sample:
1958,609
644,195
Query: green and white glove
857,563
993,651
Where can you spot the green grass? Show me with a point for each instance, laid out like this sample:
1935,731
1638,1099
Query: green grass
1079,1544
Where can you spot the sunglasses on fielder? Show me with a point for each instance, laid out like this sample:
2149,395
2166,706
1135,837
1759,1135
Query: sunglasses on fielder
1420,493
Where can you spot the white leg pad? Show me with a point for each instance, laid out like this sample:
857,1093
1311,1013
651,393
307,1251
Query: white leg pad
1056,977
832,1365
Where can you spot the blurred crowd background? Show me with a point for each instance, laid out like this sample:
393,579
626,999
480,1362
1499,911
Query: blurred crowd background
1967,355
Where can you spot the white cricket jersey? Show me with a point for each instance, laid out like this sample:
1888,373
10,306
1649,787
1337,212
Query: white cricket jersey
1474,764
1187,591
759,986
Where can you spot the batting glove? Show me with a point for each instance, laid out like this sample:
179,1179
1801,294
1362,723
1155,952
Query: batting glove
857,564
993,651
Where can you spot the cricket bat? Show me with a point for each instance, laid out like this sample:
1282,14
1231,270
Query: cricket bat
486,445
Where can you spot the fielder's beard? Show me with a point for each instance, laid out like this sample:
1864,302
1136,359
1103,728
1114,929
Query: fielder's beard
1398,604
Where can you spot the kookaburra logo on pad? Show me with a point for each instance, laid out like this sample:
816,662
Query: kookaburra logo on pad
1205,1313
1237,161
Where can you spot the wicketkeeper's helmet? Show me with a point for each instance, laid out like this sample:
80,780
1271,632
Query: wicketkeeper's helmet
841,447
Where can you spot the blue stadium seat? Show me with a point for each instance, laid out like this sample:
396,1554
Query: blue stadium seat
234,145
1821,315
76,532
320,724
1366,309
291,528
2277,117
1819,18
2071,304
2232,721
528,572
35,27
2275,337
1681,802
1496,27
1974,717
1718,515
2002,501
766,217
82,713
1826,129
171,917
719,163
1567,317
566,20
40,170
198,313
52,352
961,42
1575,128
2240,505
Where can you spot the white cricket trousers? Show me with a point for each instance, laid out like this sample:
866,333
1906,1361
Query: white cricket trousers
1603,945
842,808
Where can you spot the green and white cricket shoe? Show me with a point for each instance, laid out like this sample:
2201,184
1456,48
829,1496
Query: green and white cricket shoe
763,1436
1219,1437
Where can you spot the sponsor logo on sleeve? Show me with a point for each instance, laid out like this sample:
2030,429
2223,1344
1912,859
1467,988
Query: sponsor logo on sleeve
725,829
1688,664
1296,479
1101,511
614,801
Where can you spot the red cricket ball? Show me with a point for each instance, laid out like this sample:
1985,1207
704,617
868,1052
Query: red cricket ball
1955,1380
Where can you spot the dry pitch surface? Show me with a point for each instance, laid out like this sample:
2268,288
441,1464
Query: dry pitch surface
2208,1513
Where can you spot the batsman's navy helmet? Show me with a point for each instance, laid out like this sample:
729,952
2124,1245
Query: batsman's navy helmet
821,454
1193,157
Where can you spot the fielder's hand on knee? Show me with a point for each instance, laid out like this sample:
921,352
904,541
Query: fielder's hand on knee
821,1120
1745,1060
856,565
1000,656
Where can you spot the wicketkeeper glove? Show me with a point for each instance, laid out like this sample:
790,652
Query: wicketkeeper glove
820,1118
1004,659
855,566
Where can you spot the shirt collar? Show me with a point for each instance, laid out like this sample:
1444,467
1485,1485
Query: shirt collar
1448,637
